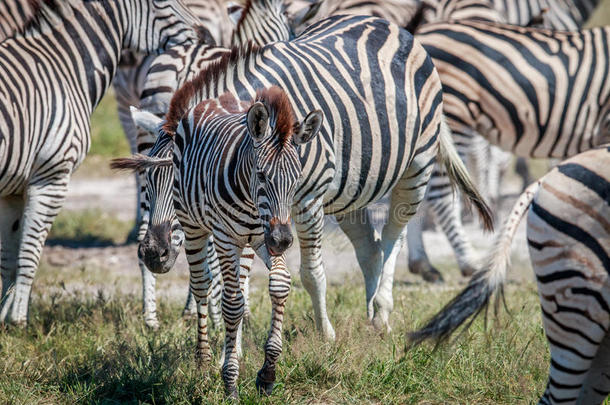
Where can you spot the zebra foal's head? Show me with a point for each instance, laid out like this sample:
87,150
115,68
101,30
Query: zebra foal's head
277,169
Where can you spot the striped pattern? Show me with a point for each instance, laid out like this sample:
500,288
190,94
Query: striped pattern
261,21
374,108
128,85
16,16
45,110
568,234
553,100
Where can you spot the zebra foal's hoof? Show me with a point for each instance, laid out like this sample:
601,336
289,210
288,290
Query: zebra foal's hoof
264,387
433,276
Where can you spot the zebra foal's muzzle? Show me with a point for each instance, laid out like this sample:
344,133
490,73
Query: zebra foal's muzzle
160,248
278,236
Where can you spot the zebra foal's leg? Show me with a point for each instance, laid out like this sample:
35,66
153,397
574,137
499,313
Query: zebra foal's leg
42,204
279,289
358,227
405,198
309,221
11,211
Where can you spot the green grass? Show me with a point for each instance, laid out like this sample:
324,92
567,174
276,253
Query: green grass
107,137
96,350
89,227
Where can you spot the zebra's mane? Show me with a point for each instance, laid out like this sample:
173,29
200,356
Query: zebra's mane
198,89
248,6
281,113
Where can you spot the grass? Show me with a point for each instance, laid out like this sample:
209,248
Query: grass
88,349
88,227
107,137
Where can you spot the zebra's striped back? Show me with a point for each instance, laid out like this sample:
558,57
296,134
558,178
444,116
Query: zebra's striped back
554,94
345,83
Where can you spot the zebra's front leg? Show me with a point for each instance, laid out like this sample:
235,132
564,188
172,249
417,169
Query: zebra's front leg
309,222
358,227
279,289
11,208
42,205
419,263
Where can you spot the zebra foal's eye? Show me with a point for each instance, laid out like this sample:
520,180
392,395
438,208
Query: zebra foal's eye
261,177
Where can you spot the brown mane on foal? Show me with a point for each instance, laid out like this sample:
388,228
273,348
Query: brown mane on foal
280,111
201,84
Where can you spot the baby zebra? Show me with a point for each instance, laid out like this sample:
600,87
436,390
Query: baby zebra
568,232
241,190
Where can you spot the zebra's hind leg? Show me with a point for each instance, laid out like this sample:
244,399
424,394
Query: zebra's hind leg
42,205
309,221
419,263
358,227
11,209
597,385
279,289
446,207
405,198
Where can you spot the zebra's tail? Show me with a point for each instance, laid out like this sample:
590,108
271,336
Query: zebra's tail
458,174
483,284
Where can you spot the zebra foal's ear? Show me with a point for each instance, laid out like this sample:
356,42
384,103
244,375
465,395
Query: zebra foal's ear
138,163
258,120
309,128
146,120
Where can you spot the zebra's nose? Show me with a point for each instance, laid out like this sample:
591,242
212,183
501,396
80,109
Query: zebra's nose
278,238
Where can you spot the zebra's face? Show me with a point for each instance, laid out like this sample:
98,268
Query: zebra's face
155,25
164,237
277,170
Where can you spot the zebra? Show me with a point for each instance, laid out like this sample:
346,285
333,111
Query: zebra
464,126
568,234
258,20
243,191
263,21
16,16
52,78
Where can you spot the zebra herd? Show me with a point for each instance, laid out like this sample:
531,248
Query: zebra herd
311,108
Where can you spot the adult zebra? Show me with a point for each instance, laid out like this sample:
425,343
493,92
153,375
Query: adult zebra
512,43
152,84
52,78
568,234
244,181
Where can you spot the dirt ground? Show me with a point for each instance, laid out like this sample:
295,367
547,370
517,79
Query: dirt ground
92,269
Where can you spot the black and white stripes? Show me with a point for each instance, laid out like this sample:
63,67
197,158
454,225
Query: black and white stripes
568,233
51,79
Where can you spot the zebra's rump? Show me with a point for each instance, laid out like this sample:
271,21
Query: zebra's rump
378,91
569,240
534,92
